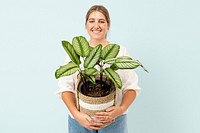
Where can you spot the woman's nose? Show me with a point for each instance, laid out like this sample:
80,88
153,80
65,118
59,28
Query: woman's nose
96,25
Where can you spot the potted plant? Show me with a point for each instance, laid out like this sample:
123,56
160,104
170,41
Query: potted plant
98,80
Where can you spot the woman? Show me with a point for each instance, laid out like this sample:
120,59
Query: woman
97,24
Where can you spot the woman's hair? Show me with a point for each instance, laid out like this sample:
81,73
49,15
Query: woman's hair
101,9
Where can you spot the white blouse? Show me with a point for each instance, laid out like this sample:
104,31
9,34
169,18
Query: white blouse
129,80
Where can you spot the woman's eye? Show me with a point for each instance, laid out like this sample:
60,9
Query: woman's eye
102,21
91,21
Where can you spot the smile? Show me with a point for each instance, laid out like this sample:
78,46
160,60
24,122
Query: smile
96,31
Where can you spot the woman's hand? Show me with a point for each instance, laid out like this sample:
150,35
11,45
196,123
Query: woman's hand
83,119
110,114
87,122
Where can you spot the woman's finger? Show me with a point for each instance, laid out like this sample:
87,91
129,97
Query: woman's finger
110,109
101,114
95,125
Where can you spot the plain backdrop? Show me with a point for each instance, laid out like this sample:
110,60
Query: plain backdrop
163,34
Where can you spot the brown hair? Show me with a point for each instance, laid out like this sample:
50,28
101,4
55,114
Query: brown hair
101,9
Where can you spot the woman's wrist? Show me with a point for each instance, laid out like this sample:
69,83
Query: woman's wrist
75,113
123,109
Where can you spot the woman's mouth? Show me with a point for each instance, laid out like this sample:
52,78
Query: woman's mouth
96,31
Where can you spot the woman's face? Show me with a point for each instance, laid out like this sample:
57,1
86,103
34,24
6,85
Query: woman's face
97,26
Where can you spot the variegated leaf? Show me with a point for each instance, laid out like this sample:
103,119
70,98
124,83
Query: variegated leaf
91,79
66,70
110,51
113,76
110,61
127,65
71,52
91,71
124,58
142,66
81,46
92,59
114,67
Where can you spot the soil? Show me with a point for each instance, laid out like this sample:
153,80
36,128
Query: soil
99,89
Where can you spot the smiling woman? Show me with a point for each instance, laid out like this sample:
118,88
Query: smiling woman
97,24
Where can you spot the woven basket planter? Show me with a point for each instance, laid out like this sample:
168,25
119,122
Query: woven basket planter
91,105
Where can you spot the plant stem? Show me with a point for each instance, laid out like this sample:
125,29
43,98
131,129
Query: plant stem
83,80
101,74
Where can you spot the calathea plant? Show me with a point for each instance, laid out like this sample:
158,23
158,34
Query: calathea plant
80,51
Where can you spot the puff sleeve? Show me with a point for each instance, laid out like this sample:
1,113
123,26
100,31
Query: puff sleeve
66,83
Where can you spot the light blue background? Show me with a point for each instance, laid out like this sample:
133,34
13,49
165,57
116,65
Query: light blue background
163,34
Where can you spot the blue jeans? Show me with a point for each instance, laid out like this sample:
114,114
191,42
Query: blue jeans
118,126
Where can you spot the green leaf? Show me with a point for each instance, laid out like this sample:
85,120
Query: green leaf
92,59
91,48
114,67
110,61
86,75
110,51
91,71
66,70
113,76
91,79
81,46
126,64
124,58
142,66
71,52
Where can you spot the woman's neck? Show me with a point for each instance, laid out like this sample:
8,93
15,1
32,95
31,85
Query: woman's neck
94,43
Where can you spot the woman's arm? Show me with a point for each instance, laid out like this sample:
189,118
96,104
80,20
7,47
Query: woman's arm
115,111
127,100
83,119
